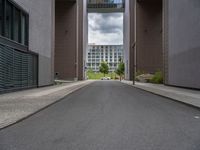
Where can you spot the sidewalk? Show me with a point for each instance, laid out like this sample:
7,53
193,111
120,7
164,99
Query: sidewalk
191,97
18,105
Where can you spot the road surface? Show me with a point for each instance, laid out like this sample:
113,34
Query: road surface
108,115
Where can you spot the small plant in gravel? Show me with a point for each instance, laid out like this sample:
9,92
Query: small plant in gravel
157,78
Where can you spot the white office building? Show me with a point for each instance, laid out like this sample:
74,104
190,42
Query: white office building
108,53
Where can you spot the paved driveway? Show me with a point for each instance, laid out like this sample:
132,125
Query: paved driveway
108,115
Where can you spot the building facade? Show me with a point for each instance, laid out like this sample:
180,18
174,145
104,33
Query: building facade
70,39
26,44
112,54
163,35
39,39
43,39
181,43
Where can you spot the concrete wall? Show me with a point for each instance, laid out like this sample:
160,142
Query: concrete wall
182,43
85,37
41,32
143,36
129,39
71,39
66,40
82,38
149,36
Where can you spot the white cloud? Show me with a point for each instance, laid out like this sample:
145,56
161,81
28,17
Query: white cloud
105,28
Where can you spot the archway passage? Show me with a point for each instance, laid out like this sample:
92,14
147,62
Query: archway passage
70,41
149,36
65,39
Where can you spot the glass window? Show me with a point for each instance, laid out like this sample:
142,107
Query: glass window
23,29
16,27
1,17
13,22
8,28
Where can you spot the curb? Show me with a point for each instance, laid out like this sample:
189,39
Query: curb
170,98
43,108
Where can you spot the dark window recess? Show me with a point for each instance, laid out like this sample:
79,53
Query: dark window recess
16,25
8,21
24,29
13,22
1,17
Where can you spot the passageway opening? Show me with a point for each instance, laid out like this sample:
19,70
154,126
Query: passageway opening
70,39
65,39
105,36
149,36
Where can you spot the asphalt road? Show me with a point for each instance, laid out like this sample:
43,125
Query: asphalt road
107,115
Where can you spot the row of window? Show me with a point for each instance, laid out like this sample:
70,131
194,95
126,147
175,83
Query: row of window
98,56
98,50
99,61
97,65
108,46
13,22
97,53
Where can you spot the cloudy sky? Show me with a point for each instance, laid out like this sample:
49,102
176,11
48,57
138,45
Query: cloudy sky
105,29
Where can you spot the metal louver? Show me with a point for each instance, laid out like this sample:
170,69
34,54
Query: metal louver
17,69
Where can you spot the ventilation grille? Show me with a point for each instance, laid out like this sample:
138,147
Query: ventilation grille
17,69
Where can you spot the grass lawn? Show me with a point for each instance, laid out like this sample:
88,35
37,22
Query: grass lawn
97,76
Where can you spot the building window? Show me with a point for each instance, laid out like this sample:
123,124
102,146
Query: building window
8,27
13,22
16,27
1,17
24,30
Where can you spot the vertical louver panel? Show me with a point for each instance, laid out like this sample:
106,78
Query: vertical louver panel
24,70
1,68
17,79
30,70
35,70
8,67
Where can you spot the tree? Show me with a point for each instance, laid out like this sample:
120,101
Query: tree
104,68
120,70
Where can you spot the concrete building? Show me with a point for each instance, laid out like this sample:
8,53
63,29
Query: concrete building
143,37
33,47
70,39
164,35
47,38
26,44
112,54
181,43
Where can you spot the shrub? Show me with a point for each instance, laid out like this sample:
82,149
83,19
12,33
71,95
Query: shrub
157,78
104,68
120,70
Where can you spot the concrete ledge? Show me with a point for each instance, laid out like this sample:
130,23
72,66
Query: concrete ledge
17,106
187,96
